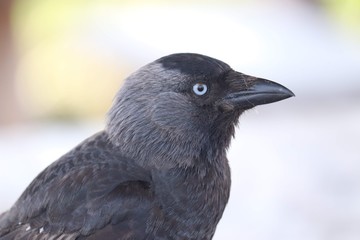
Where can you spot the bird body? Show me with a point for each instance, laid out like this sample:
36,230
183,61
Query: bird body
158,170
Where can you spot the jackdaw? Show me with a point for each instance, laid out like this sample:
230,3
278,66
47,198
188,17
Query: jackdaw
158,170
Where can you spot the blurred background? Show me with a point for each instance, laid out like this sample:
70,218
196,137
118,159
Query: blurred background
295,164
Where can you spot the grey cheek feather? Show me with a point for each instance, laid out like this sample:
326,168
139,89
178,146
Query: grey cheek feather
149,121
174,112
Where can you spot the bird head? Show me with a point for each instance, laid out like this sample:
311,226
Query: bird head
184,106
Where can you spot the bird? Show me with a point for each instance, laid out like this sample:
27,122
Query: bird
158,170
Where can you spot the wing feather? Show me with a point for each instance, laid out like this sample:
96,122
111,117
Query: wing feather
93,189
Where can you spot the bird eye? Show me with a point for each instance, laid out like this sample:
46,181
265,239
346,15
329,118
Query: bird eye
200,89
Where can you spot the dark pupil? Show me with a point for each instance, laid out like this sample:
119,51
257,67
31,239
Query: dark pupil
201,88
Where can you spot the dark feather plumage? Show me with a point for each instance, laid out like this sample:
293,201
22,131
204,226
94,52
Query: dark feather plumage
158,170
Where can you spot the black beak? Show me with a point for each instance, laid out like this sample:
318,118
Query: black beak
260,91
